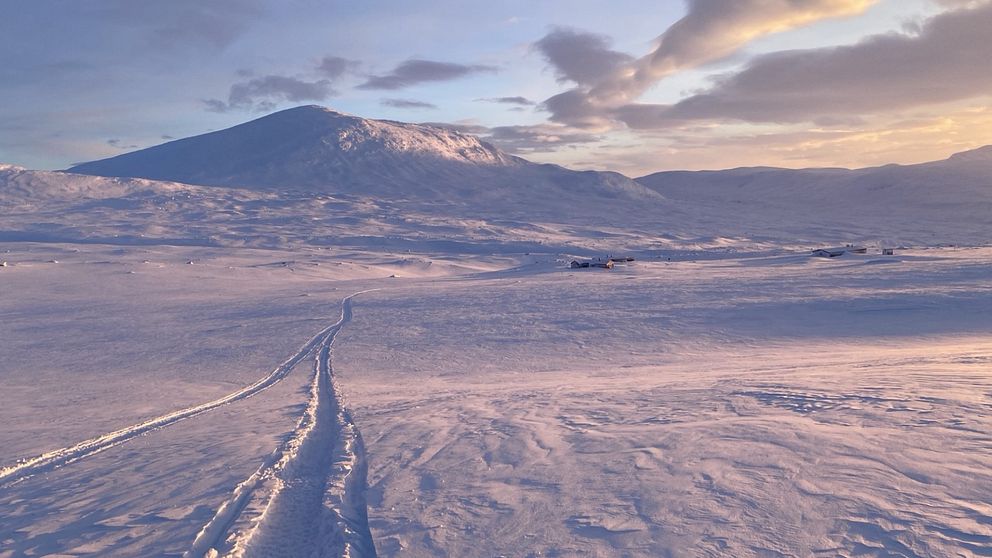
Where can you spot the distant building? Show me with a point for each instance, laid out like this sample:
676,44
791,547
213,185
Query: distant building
834,252
828,252
607,264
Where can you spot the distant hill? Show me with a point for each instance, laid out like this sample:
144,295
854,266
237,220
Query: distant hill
941,201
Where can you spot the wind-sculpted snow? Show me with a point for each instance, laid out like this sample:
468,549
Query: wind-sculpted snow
761,406
694,402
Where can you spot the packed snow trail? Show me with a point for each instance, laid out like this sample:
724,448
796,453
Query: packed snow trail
60,457
308,497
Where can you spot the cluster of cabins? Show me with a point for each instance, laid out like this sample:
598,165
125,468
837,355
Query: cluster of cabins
849,249
604,263
609,262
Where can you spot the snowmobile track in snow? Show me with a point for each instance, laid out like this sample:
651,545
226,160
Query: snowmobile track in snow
308,497
57,458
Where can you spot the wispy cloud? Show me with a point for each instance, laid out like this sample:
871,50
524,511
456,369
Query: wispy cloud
539,138
119,144
261,93
407,104
522,101
413,72
180,23
333,67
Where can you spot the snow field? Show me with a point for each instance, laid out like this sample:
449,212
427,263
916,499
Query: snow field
746,407
716,404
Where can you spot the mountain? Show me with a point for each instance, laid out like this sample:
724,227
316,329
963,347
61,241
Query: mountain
315,149
311,175
940,201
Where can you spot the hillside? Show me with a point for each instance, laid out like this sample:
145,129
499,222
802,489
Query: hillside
948,201
315,149
315,176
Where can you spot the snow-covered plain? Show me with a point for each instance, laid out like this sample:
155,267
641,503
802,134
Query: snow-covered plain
735,407
740,405
190,370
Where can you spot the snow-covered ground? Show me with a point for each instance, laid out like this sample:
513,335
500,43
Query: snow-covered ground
734,407
688,404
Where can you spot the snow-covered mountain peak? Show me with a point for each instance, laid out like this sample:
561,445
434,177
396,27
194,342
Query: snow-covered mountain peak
371,135
312,147
316,149
343,132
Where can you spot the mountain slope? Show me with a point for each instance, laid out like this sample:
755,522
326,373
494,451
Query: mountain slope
941,201
316,149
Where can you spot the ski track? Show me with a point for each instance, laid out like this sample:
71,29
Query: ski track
308,497
48,461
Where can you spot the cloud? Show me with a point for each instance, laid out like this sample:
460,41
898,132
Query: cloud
406,104
413,72
117,143
333,67
716,28
879,140
584,58
712,29
522,101
115,41
539,138
880,74
182,23
261,93
961,3
576,108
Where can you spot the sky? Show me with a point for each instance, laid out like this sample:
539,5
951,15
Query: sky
635,86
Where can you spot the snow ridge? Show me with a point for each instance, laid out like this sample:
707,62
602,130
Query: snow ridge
48,461
308,497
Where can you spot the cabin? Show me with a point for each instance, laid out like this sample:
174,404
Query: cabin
834,252
828,252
